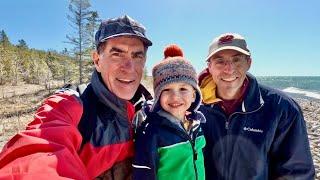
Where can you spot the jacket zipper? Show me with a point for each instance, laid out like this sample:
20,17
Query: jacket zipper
195,155
227,124
227,149
228,120
186,136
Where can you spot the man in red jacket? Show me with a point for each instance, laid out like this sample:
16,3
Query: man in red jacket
88,136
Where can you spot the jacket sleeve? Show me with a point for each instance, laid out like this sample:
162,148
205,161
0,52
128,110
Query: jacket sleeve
47,149
290,156
146,156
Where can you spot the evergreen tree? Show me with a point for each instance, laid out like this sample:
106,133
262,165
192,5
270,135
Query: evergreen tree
7,59
78,17
92,26
65,52
4,40
22,44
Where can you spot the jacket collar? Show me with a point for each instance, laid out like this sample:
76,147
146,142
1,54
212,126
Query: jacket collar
196,117
208,90
167,120
106,97
169,117
252,101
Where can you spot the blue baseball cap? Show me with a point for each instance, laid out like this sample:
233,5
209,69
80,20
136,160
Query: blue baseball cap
121,26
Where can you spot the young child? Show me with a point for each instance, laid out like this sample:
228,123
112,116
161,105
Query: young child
169,142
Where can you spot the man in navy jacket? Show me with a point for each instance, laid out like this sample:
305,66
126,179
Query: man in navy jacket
252,131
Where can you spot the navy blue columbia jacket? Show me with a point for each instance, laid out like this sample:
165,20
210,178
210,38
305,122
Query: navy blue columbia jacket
265,138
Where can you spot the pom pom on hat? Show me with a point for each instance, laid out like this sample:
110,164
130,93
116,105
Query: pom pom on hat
172,51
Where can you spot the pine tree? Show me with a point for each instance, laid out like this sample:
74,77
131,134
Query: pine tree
7,57
92,26
4,40
78,17
22,44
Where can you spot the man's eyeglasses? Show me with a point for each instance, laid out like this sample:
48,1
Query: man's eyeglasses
237,61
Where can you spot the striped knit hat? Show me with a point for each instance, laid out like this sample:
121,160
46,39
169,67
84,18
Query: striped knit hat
174,68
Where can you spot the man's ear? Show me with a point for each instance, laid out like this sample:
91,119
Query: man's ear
96,60
249,61
209,64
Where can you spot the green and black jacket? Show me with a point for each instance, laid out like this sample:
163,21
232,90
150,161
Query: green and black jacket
164,150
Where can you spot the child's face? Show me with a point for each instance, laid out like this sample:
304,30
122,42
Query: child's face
176,98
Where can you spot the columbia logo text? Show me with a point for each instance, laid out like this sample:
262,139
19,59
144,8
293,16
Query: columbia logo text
252,130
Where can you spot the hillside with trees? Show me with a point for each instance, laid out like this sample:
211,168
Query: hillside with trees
18,63
28,75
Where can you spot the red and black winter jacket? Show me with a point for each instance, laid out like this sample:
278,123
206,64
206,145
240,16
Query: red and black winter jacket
74,138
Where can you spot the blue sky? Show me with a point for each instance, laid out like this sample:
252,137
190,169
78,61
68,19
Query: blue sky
283,36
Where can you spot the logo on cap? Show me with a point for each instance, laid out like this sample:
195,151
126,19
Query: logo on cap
226,39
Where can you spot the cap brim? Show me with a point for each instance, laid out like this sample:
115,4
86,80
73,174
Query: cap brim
143,39
225,48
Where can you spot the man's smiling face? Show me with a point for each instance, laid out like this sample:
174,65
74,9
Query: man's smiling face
121,64
228,69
